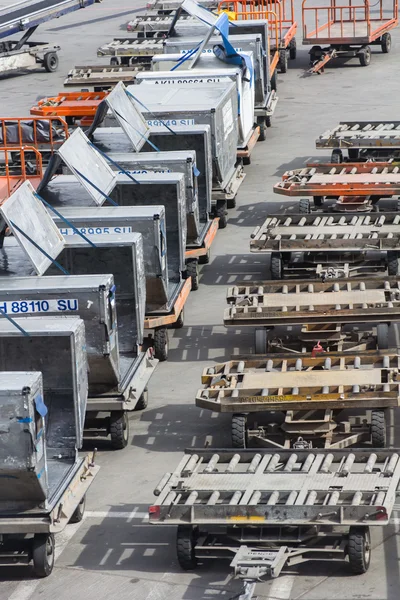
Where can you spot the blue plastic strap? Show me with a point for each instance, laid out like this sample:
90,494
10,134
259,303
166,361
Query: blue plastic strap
53,260
149,111
40,406
66,221
21,329
122,170
111,201
196,172
232,56
186,57
137,130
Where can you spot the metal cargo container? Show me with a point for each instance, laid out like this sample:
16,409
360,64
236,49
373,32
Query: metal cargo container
56,347
91,297
209,70
180,137
149,222
188,105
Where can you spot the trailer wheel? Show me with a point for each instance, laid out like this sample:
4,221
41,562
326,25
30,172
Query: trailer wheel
304,206
205,258
386,43
220,211
143,401
276,265
353,153
119,429
364,56
231,202
283,60
378,429
186,538
268,121
246,160
239,431
114,61
292,49
161,343
79,512
337,156
382,336
192,270
274,81
359,549
262,125
43,548
393,263
260,341
50,62
318,201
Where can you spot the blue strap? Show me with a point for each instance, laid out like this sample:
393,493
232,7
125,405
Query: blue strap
40,406
66,221
137,130
122,170
232,56
196,172
21,329
111,201
149,111
53,260
186,57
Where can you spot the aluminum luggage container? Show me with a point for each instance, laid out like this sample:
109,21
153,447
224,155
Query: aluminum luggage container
148,221
181,138
209,70
188,105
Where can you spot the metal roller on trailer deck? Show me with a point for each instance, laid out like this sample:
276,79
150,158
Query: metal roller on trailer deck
301,316
100,78
265,510
363,140
313,391
330,245
26,16
355,187
349,31
127,51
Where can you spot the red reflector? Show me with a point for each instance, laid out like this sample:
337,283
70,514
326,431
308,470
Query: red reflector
381,513
154,512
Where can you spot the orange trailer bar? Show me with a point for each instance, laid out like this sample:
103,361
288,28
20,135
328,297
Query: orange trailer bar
69,104
153,322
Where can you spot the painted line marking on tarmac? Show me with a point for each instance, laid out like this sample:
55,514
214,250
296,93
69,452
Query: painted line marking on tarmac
129,516
281,588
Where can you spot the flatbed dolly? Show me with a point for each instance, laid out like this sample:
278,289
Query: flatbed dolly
165,7
152,23
363,140
100,78
200,255
72,106
129,51
341,315
264,510
26,16
330,245
160,323
348,31
353,186
311,392
227,196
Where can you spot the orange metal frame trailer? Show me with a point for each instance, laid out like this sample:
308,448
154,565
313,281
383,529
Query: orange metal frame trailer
71,105
15,175
349,28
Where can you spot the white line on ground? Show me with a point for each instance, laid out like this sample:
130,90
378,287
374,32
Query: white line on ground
98,514
281,588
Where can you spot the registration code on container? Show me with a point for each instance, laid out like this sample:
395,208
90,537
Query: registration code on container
39,306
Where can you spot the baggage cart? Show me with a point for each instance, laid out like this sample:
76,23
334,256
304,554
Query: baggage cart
363,140
73,106
347,30
330,245
311,391
46,480
352,186
127,51
100,78
264,510
302,316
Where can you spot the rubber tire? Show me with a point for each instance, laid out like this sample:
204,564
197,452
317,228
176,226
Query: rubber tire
293,49
230,203
364,56
239,431
353,153
78,514
274,82
378,429
185,544
304,206
161,343
205,258
276,266
359,549
261,122
143,401
119,429
393,263
41,544
192,270
382,336
386,43
114,61
260,341
220,211
246,160
318,201
283,61
337,156
50,62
